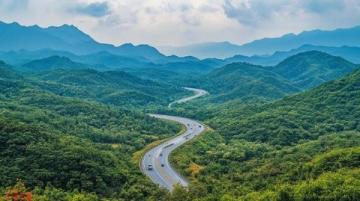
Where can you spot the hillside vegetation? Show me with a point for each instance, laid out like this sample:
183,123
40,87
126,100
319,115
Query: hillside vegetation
51,63
304,147
312,68
70,132
110,87
68,145
247,82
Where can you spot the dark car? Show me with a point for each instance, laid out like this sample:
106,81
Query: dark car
150,167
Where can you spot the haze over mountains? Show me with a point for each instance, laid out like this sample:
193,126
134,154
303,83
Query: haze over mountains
268,46
42,50
21,44
74,123
15,37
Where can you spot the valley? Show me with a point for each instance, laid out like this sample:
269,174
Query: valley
155,163
275,119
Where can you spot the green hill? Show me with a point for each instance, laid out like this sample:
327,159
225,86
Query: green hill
113,87
331,107
62,146
244,81
303,147
312,68
6,71
51,63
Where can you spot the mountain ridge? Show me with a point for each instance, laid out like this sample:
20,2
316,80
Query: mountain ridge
14,37
267,46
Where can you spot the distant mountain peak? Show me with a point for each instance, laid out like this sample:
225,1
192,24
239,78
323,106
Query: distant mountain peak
127,45
68,26
268,46
68,38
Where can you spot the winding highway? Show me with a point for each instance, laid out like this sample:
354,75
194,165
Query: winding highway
197,93
155,163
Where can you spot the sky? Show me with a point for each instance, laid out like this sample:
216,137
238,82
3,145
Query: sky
183,22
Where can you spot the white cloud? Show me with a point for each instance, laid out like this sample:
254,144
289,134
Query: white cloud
177,22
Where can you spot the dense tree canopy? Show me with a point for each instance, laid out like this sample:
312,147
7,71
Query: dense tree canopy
73,134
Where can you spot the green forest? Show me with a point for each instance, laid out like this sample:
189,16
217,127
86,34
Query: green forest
71,132
303,147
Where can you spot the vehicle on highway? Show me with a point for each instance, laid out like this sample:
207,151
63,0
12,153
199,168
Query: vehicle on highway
169,145
165,175
161,154
150,167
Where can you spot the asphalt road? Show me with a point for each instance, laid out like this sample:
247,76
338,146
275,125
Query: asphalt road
155,163
197,93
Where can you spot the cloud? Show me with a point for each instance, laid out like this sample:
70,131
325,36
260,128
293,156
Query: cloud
14,5
254,12
323,6
96,9
180,22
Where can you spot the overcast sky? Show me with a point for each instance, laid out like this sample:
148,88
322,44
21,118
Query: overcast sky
181,22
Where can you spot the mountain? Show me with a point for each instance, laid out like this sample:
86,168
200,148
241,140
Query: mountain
257,60
114,61
312,68
103,60
14,37
336,38
107,61
61,143
330,107
10,80
303,147
7,72
203,50
110,87
246,81
268,46
52,63
193,67
351,54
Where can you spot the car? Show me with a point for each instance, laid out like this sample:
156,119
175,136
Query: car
161,154
200,126
150,167
162,165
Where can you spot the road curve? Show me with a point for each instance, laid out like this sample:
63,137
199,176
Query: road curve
155,163
198,93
